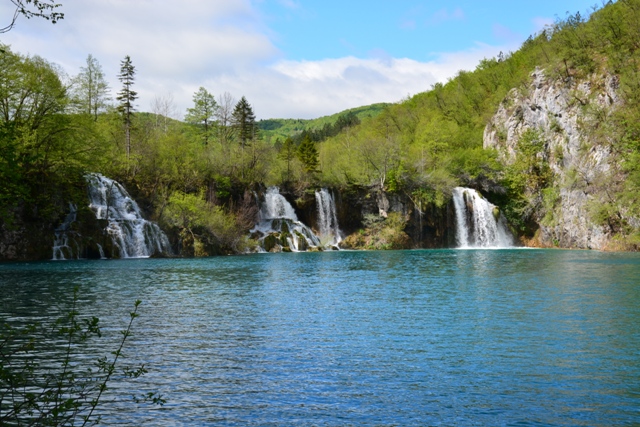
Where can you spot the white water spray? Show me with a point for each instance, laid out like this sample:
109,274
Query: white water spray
479,224
278,225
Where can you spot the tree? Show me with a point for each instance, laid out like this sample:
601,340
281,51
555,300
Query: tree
34,137
126,96
308,154
288,154
91,91
224,117
164,107
34,8
203,112
244,122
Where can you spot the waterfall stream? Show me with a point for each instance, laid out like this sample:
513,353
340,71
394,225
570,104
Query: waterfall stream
64,243
278,227
131,235
330,233
479,224
134,236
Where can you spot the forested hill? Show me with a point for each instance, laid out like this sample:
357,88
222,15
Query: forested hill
320,128
196,178
432,142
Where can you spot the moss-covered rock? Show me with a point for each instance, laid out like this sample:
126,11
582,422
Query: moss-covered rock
381,234
269,242
496,213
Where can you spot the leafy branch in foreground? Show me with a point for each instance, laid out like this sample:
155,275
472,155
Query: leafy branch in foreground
38,389
34,8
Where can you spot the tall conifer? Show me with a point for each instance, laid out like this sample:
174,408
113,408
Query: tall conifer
308,154
244,122
125,97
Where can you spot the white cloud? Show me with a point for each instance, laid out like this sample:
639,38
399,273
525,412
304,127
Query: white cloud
223,45
308,89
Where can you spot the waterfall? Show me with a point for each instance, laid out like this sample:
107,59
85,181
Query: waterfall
130,233
479,224
134,236
276,206
328,228
278,228
62,248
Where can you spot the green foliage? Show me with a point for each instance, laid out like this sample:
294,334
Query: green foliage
288,154
62,390
308,155
421,147
202,114
526,180
43,152
205,229
319,129
90,89
244,122
127,95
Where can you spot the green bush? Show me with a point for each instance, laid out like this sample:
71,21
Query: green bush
62,391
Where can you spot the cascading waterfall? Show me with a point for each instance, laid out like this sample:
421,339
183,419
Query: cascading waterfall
278,227
134,236
479,224
330,233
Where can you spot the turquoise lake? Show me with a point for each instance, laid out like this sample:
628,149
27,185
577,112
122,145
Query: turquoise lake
399,338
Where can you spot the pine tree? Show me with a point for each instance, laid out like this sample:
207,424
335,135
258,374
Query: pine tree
203,112
243,122
125,97
308,154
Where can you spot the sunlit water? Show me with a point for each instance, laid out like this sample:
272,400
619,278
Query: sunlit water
404,338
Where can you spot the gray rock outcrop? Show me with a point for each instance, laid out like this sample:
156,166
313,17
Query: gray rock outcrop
563,113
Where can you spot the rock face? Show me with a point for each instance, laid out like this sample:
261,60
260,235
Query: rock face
562,111
427,227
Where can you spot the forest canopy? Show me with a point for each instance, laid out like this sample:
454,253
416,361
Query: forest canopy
54,130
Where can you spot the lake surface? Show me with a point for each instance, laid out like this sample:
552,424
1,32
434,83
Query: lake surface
398,338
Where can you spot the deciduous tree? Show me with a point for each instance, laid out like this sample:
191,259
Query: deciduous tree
288,154
91,90
203,113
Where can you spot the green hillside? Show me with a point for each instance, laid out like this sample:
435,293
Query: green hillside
272,129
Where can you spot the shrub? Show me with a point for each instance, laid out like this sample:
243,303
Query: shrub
60,391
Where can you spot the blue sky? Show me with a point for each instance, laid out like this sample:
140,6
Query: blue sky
420,30
290,58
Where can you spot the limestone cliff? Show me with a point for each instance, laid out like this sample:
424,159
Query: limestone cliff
564,114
